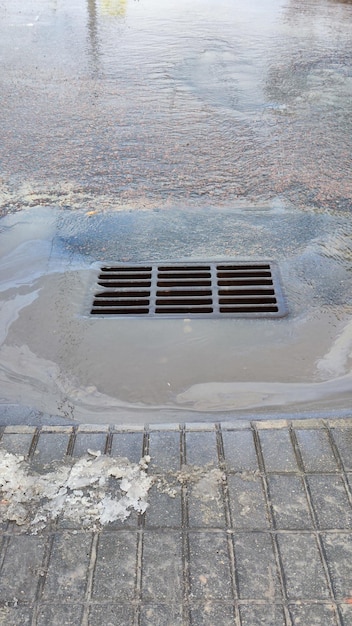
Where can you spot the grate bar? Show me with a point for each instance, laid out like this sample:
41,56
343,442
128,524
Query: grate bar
184,268
233,289
183,283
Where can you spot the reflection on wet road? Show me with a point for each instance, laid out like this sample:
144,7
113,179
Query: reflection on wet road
169,102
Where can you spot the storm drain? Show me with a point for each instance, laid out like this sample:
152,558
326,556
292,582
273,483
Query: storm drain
231,289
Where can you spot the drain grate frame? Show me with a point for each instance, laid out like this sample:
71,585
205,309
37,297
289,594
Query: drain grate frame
226,289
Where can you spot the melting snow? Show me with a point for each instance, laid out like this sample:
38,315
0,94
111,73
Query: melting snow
94,489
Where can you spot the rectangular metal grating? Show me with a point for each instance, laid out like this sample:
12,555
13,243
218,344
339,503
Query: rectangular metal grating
230,289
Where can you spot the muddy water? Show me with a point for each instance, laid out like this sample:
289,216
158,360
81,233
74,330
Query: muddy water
150,103
58,359
167,130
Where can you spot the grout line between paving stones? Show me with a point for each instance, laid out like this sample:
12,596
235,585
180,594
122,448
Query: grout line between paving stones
34,443
269,507
347,487
146,442
228,521
90,578
340,465
108,443
186,551
48,546
71,442
4,546
138,579
322,554
138,585
42,578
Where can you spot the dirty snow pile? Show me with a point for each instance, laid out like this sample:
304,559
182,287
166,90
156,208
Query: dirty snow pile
90,491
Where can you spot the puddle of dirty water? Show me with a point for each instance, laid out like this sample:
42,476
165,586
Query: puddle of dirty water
57,359
129,122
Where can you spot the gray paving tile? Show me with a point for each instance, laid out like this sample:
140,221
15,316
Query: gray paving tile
68,565
201,448
338,548
89,441
256,567
164,449
115,565
131,523
346,612
162,566
213,614
313,614
263,615
161,615
303,569
110,615
164,426
343,440
247,502
205,501
16,443
240,454
270,424
330,502
203,426
210,566
22,568
237,424
46,428
129,445
15,616
277,451
211,583
316,451
163,511
289,502
93,428
50,447
19,429
59,615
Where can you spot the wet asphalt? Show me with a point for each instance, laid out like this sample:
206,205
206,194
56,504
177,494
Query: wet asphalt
142,104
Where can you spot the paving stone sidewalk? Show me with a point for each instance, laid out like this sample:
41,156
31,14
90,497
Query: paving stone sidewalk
258,531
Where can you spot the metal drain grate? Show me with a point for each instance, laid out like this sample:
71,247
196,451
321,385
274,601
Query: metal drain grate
231,289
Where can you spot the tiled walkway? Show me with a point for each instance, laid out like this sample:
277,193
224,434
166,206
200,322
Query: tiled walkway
248,524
